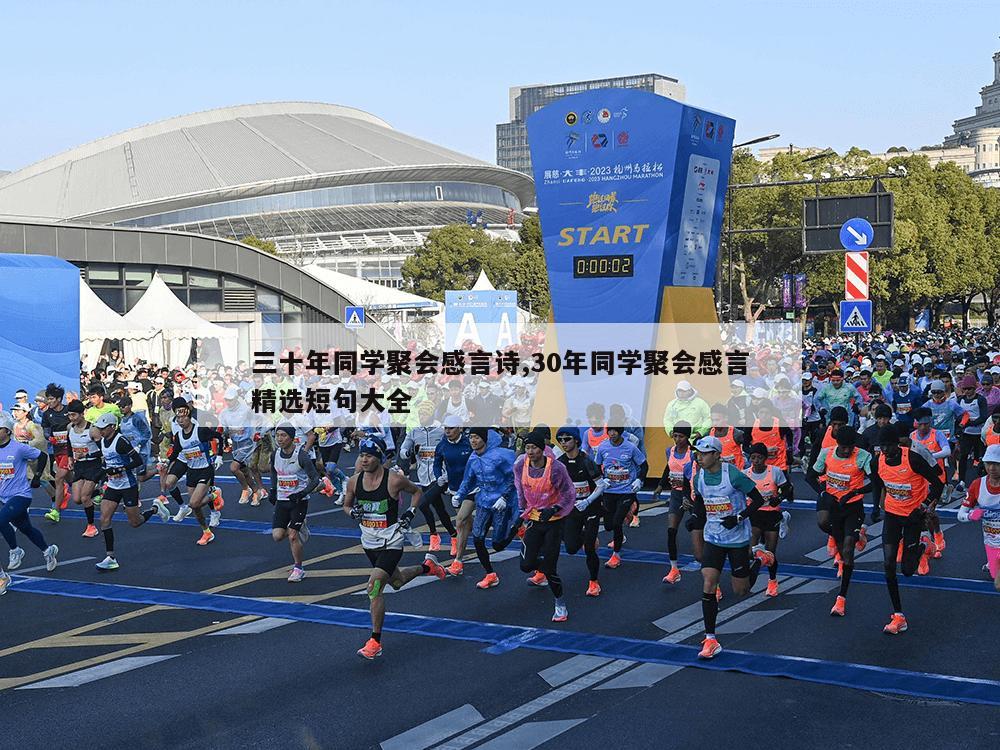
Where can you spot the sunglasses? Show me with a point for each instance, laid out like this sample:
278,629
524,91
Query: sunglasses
567,438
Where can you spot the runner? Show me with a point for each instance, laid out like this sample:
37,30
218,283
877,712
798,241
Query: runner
15,497
774,486
721,492
260,460
293,477
912,486
597,432
372,499
191,451
490,468
625,468
166,427
55,426
120,461
677,477
421,444
732,439
238,424
96,394
969,444
940,449
983,504
581,527
134,427
840,510
451,456
85,463
546,497
29,432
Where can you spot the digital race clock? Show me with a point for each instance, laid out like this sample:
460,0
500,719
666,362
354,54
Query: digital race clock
603,266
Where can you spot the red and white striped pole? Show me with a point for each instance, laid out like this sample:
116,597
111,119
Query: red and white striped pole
855,276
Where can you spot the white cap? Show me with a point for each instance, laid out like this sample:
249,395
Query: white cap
995,370
707,444
684,385
134,386
451,421
759,393
897,363
6,421
992,454
738,383
158,380
232,392
107,419
807,375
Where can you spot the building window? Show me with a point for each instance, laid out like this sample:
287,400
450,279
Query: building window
438,193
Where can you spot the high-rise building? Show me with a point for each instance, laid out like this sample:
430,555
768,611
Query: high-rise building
512,138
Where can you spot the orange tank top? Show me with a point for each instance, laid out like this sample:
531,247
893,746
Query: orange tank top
829,441
931,444
594,440
905,490
538,487
843,475
992,438
776,452
676,465
767,486
731,451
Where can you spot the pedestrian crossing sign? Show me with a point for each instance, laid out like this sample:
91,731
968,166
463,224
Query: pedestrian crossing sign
856,316
354,317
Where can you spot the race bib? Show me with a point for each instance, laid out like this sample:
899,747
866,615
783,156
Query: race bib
288,485
192,454
618,476
61,437
80,453
425,454
6,470
582,489
903,407
898,490
772,451
837,481
718,507
677,480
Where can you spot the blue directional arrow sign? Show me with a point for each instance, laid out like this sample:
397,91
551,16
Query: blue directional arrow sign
354,317
856,234
856,316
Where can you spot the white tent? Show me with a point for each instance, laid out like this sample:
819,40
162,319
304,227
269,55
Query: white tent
483,284
98,323
159,307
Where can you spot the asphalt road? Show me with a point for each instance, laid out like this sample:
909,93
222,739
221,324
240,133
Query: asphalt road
96,660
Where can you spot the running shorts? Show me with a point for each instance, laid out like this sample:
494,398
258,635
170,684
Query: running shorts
200,476
385,559
88,471
715,557
289,514
129,496
766,520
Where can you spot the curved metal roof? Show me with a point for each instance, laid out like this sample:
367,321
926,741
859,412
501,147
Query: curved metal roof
243,150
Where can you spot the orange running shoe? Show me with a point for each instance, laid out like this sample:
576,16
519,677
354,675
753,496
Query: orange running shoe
454,546
614,561
831,546
718,593
896,625
65,497
207,537
840,569
434,568
538,579
939,543
673,576
91,531
327,488
710,648
435,544
489,581
772,587
593,589
520,532
371,649
924,566
839,607
218,503
766,557
899,553
456,568
862,542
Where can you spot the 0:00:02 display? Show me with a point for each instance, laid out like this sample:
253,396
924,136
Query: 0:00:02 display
602,266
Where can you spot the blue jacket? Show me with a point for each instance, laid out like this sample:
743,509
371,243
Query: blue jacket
452,457
135,429
492,472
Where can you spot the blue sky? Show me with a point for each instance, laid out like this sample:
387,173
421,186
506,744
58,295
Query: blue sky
874,74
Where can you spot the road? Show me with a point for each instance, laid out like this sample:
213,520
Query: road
187,647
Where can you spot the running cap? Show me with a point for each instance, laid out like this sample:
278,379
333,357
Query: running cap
180,402
451,421
937,385
991,456
287,428
6,421
133,386
426,408
737,384
158,380
107,419
807,375
708,444
759,393
904,379
968,382
18,407
373,446
232,392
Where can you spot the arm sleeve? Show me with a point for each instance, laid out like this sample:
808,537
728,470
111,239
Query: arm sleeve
564,486
438,459
919,464
125,448
309,467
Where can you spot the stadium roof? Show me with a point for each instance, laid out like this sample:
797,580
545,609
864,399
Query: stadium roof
233,152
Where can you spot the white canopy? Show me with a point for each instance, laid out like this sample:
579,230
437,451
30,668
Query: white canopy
159,307
98,323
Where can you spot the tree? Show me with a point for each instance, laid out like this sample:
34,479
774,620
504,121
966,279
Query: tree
263,245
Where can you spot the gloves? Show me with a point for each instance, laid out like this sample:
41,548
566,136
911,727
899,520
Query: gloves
357,512
963,513
582,504
217,462
500,505
976,514
730,522
404,454
636,485
406,518
456,501
774,502
442,480
546,515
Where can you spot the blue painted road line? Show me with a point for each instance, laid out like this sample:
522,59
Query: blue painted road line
842,674
649,557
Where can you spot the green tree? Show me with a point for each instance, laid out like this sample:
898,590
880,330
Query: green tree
263,245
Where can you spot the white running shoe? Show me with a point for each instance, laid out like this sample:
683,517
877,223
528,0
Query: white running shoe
214,518
108,563
414,539
50,557
561,614
4,582
339,500
16,555
161,510
296,575
304,532
786,521
183,513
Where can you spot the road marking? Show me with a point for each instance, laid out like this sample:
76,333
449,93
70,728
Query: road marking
62,563
256,626
439,728
570,669
818,586
324,512
752,621
530,735
92,674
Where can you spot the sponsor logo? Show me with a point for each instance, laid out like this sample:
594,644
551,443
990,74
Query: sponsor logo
696,127
710,129
624,234
571,118
622,113
599,140
571,139
603,115
574,145
603,203
588,117
719,130
622,138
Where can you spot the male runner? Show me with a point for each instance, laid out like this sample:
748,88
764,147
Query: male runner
238,423
721,492
774,486
677,476
940,449
420,444
85,463
191,449
55,426
451,456
372,499
120,463
625,468
293,477
581,527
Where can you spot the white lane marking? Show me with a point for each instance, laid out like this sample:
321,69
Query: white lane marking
62,563
257,626
530,735
92,674
752,621
324,512
570,669
439,728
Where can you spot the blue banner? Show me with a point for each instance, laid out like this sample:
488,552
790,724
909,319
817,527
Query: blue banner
487,318
630,188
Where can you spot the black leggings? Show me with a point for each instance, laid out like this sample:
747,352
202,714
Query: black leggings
616,507
433,500
540,551
967,444
894,529
580,530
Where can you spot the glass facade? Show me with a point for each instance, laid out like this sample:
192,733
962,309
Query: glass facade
348,195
